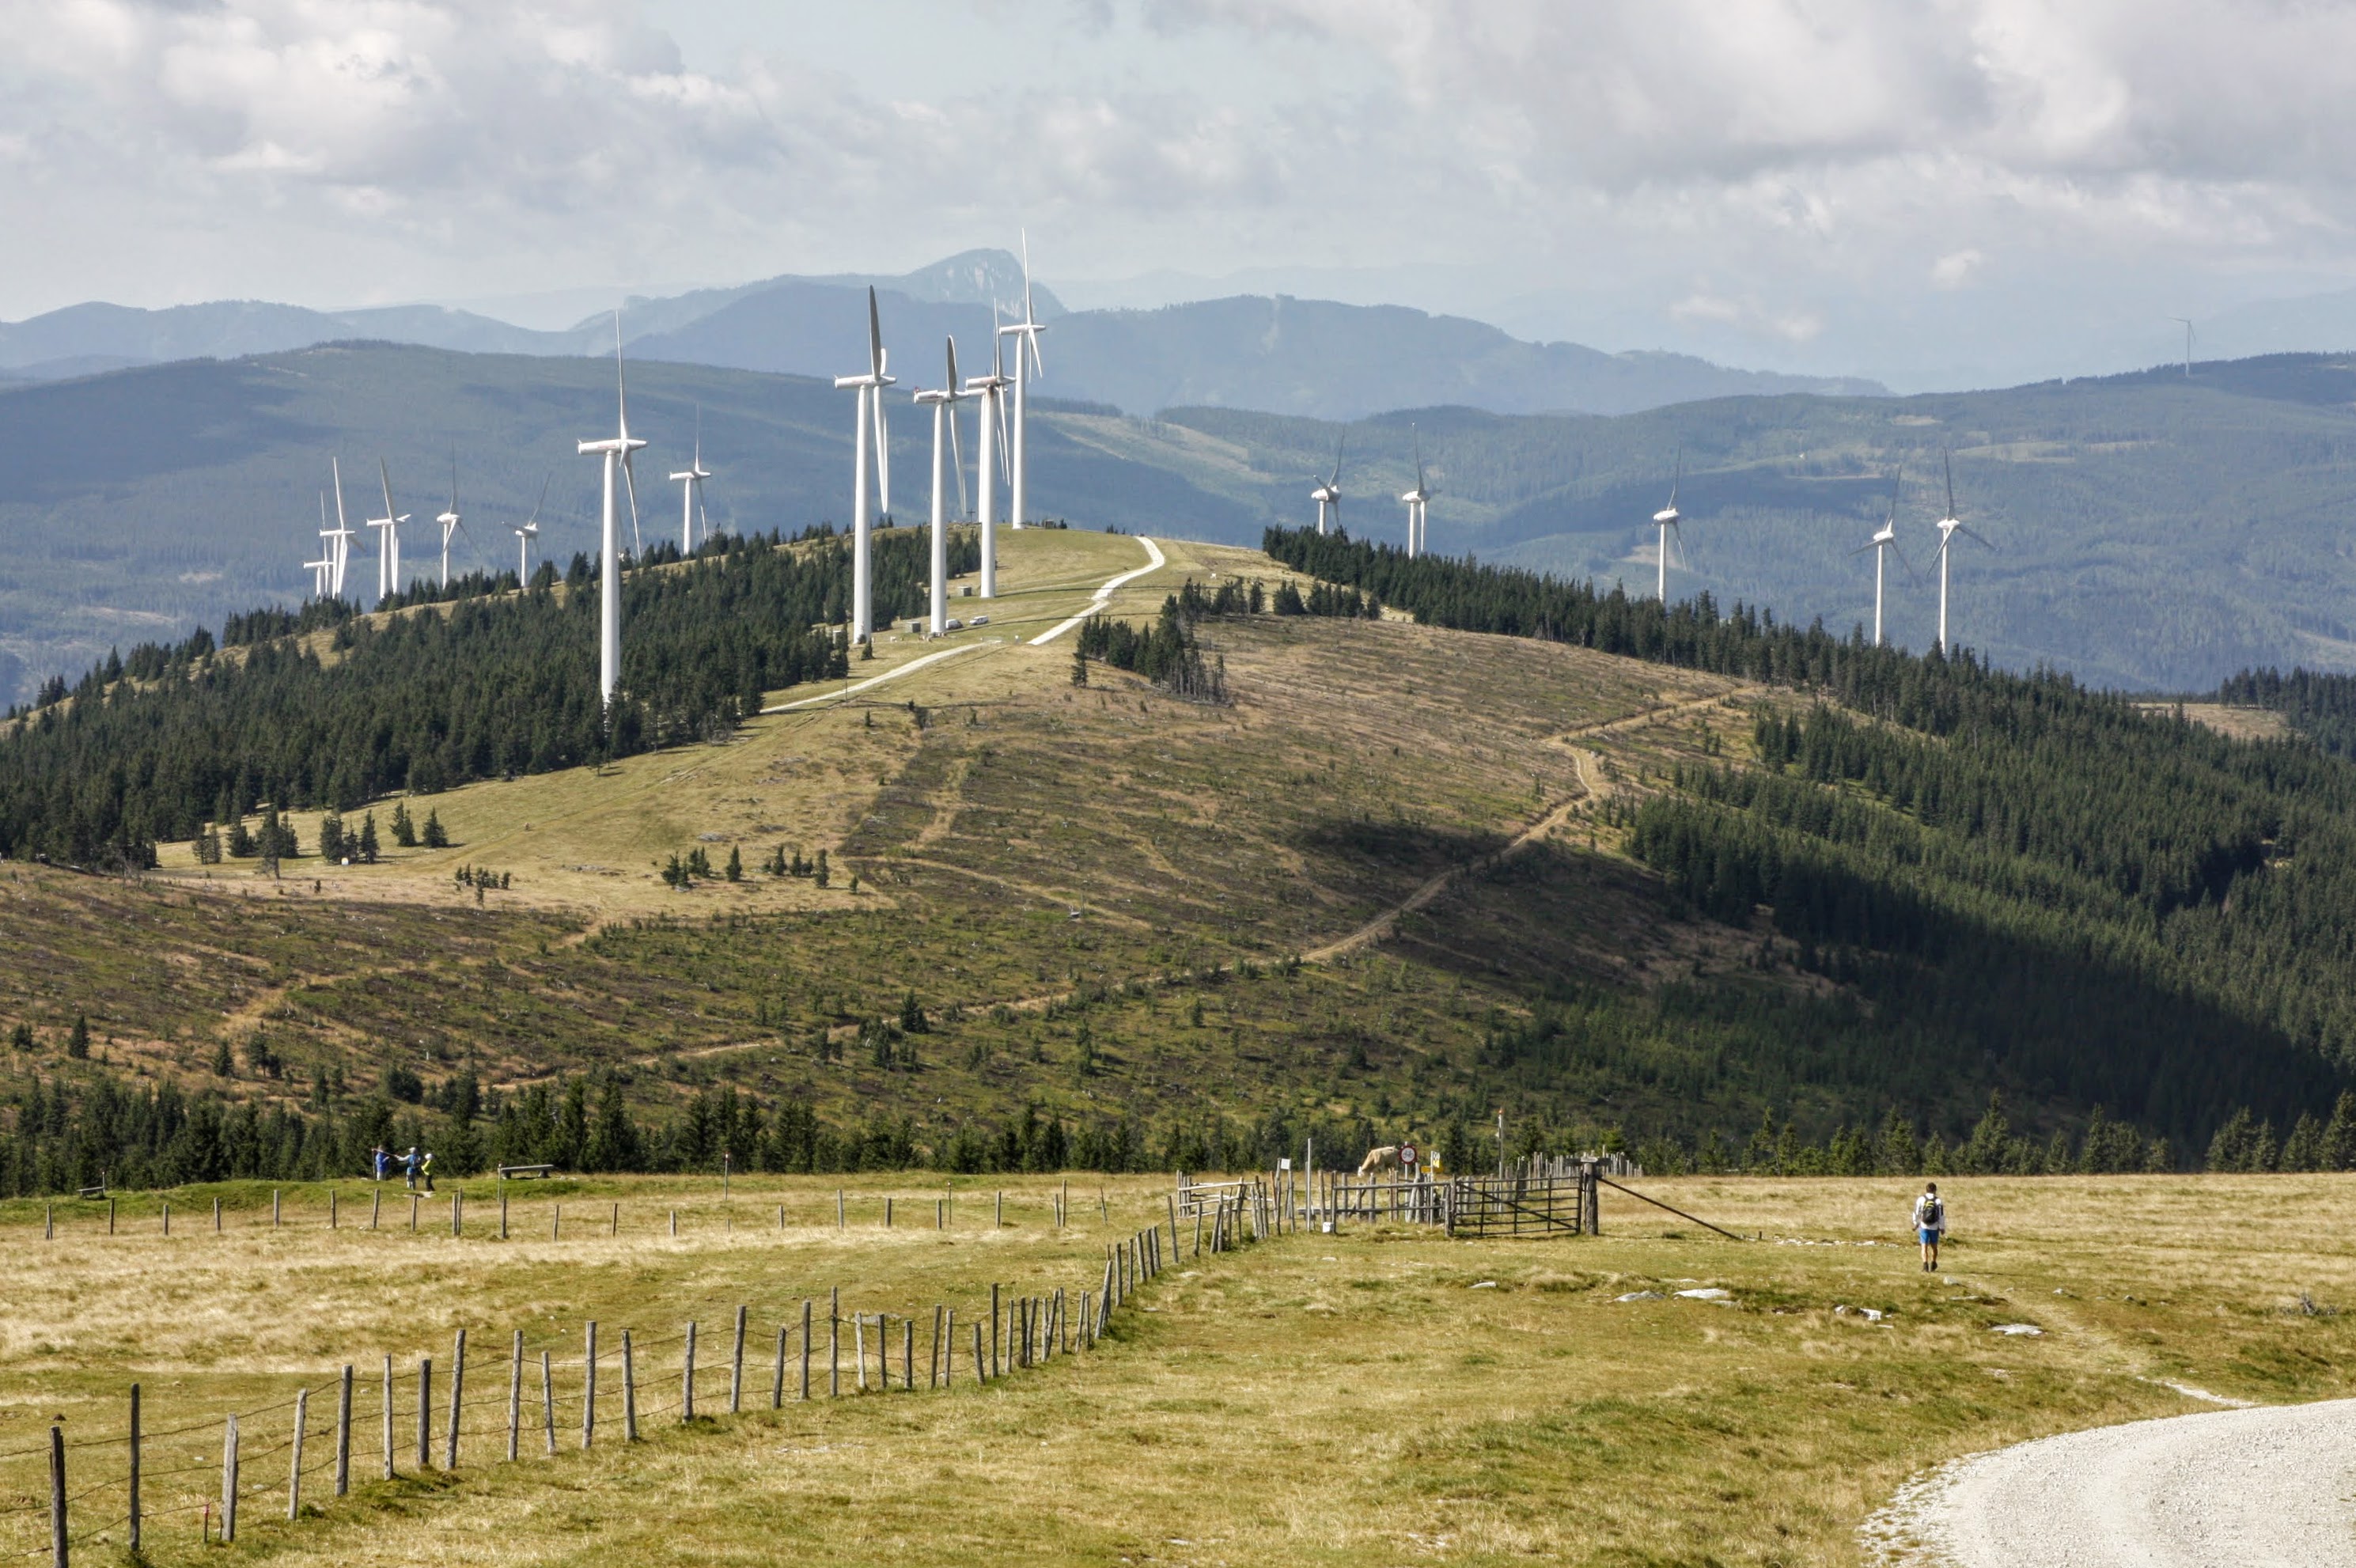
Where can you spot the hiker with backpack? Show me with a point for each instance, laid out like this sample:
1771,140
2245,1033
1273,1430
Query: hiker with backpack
1930,1225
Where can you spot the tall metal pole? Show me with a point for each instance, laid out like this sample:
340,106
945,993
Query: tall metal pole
863,619
609,594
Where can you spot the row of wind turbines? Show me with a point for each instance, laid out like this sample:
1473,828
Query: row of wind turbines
1000,438
1668,521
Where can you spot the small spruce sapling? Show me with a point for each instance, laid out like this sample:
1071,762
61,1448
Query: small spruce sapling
822,875
367,851
78,1041
21,1036
437,836
404,831
734,871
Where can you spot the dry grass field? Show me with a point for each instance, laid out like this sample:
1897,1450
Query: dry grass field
1381,1395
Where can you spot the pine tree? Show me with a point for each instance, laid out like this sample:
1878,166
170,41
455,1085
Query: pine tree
734,870
2340,1137
2234,1143
1079,664
435,837
404,832
224,1064
241,843
368,847
822,875
331,838
912,1015
78,1041
21,1036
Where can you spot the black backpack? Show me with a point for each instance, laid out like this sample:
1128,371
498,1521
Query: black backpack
1934,1215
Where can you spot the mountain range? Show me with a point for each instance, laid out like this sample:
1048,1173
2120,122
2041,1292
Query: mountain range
1306,356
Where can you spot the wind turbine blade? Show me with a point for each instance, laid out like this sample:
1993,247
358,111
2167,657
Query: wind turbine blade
1868,544
1676,478
1005,461
629,479
956,458
1336,481
953,382
1896,480
1967,532
1026,276
386,475
883,456
543,501
1419,487
699,440
1947,460
874,334
1911,575
336,465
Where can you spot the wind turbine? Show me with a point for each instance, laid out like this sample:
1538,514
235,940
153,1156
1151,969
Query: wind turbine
1025,333
869,390
992,437
1950,526
1418,499
615,453
690,495
526,534
1666,519
341,548
388,555
1329,494
1885,539
449,521
2187,324
944,405
326,562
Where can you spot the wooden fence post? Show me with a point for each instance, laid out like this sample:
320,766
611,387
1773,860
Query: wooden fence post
49,1220
907,1354
548,1402
412,1214
834,1336
167,1217
674,1224
629,1391
616,1230
993,1331
388,1418
229,1481
58,1537
344,1432
839,1222
805,1347
687,1377
1001,1220
424,1413
589,1385
777,1388
515,1399
859,1348
110,1217
503,1208
736,1368
295,1462
888,1213
376,1206
933,1371
135,1520
556,1222
457,1400
978,1376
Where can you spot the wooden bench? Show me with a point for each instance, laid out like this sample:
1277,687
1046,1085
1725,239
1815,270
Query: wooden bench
520,1171
98,1191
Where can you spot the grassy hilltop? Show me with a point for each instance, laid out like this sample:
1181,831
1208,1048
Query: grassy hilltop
1406,875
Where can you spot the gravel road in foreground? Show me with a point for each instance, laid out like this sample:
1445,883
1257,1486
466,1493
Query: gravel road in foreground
2248,1488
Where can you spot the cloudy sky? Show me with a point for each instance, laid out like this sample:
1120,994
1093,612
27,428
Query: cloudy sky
1936,191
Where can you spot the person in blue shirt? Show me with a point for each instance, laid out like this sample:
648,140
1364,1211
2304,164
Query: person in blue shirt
410,1166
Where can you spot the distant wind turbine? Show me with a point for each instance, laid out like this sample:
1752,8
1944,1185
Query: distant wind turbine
1885,539
1668,520
869,390
992,439
615,453
943,402
1950,526
2185,323
1418,501
449,521
388,557
1328,496
527,533
1025,333
341,549
690,496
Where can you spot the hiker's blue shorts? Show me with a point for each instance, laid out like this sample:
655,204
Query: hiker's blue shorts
1930,1237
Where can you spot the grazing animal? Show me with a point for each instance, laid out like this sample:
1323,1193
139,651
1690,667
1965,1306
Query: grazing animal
1386,1158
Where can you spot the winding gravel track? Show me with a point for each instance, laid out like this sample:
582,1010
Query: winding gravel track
2247,1487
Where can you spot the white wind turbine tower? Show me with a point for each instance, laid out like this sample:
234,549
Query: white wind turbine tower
340,546
1950,526
2185,323
991,438
690,497
526,534
388,555
615,453
1328,496
1668,520
1884,540
326,563
1025,333
1418,501
944,405
869,390
449,521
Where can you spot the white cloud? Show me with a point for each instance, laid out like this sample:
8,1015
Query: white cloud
1956,268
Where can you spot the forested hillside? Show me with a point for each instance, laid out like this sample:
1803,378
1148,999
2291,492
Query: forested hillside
495,681
2118,906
